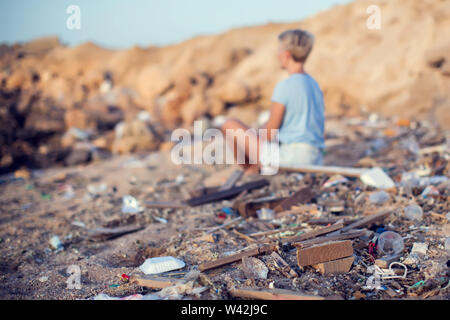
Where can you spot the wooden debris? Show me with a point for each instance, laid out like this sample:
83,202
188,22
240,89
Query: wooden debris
324,252
225,225
315,233
243,236
345,171
165,204
304,195
262,249
345,236
271,294
336,266
367,220
101,234
249,208
384,262
283,266
232,180
154,282
226,194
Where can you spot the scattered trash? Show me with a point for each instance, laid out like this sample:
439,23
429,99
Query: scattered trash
419,248
379,198
414,212
161,264
334,180
390,243
104,296
254,268
56,244
430,191
265,214
131,205
377,178
97,189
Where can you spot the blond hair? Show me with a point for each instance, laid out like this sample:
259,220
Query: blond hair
298,42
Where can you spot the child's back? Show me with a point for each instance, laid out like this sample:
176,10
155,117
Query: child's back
303,119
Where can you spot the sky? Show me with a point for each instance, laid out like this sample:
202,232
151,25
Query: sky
125,23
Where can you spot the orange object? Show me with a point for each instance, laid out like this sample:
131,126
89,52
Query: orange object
403,122
390,132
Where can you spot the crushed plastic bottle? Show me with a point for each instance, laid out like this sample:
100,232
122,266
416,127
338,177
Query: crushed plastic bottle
379,198
390,243
414,212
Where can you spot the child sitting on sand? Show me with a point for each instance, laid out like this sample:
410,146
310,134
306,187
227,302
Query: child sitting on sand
297,111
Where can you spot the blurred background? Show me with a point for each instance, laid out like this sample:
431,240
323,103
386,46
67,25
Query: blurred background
135,70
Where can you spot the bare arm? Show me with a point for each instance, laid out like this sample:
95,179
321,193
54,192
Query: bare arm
275,119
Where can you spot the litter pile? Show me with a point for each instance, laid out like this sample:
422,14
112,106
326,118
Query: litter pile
376,228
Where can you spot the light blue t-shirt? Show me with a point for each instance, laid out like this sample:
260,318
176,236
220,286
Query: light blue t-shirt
304,118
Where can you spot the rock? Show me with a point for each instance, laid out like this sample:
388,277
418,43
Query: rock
135,136
254,268
78,156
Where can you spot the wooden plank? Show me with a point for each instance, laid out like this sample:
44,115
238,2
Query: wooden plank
225,225
232,180
262,249
384,213
336,266
345,171
271,294
244,236
304,195
283,266
165,204
226,194
324,252
101,234
330,220
315,233
154,282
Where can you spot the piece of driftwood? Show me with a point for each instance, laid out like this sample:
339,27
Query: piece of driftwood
154,282
262,249
384,213
249,208
303,196
345,171
282,265
331,220
101,234
271,294
226,194
244,236
315,233
232,180
324,252
344,236
165,204
225,225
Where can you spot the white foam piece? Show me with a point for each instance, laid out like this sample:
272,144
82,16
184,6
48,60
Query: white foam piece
161,264
377,178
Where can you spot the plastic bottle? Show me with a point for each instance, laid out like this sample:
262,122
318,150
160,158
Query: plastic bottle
447,245
379,198
390,243
414,212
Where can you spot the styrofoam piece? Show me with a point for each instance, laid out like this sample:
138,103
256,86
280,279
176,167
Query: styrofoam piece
377,178
161,264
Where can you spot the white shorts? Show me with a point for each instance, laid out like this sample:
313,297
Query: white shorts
291,155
